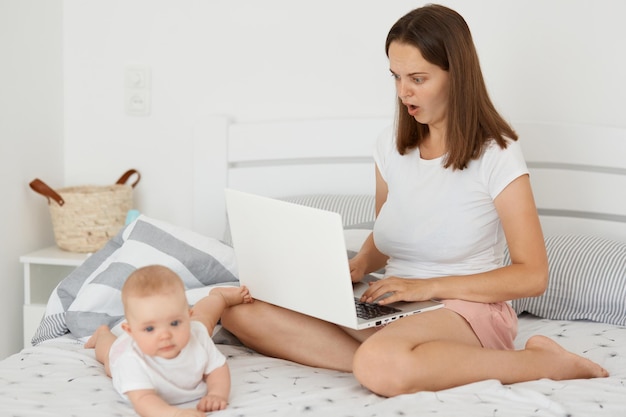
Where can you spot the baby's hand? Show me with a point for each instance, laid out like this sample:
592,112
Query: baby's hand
212,402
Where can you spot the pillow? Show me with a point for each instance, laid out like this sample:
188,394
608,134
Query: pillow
90,295
587,281
353,208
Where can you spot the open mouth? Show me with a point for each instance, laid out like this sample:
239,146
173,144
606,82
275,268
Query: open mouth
412,109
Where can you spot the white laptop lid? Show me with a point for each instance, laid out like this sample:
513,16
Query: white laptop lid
278,246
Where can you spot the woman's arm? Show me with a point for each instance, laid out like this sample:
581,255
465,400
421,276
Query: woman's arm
369,258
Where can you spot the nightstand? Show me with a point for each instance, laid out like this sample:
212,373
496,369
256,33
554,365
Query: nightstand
43,270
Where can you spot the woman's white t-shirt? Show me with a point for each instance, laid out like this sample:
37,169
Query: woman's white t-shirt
438,221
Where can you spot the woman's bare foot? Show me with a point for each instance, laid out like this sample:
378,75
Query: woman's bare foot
565,364
91,342
233,295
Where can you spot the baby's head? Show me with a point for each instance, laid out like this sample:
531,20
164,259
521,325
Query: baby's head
156,310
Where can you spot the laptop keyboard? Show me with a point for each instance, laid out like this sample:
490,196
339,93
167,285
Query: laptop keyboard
368,311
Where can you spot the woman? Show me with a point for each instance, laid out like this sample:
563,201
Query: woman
452,190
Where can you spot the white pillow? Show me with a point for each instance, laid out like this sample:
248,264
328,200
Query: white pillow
90,295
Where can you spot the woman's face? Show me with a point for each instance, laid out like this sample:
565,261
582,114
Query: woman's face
421,86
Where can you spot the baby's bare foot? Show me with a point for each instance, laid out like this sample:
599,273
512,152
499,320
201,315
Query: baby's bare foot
568,364
234,295
91,342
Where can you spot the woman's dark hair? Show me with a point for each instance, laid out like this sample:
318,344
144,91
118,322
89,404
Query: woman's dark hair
444,39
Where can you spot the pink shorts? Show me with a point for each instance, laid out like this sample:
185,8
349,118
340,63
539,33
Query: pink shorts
495,324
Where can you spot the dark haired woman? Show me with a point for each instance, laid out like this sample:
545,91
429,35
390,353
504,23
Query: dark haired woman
452,191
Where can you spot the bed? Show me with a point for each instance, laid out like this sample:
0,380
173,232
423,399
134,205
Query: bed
579,177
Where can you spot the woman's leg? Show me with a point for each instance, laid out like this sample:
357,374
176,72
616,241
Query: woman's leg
285,334
438,350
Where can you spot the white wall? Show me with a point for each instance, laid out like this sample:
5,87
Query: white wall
546,60
31,142
557,60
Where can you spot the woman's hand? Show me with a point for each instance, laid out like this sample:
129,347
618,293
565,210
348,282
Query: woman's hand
357,269
398,289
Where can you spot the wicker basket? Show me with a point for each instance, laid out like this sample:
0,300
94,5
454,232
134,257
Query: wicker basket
85,218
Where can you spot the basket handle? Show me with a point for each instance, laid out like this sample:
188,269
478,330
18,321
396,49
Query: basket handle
42,188
127,175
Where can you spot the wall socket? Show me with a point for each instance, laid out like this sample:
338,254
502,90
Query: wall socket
137,91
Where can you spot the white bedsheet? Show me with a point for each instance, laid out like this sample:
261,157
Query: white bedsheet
59,378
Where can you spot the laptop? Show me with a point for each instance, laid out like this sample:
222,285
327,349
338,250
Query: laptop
295,257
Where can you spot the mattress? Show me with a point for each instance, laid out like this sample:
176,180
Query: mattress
60,378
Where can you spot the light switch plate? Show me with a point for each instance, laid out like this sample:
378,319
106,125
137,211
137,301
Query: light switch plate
137,91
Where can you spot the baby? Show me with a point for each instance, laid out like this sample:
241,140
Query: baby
164,357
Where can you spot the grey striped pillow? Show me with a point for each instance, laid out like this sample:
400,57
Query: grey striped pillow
354,208
90,295
587,281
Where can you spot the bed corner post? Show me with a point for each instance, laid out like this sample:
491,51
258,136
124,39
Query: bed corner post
210,163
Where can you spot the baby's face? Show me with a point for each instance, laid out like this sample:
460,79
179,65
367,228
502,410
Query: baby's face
159,324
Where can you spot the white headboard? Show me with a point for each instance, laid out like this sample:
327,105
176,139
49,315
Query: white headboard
578,172
280,159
